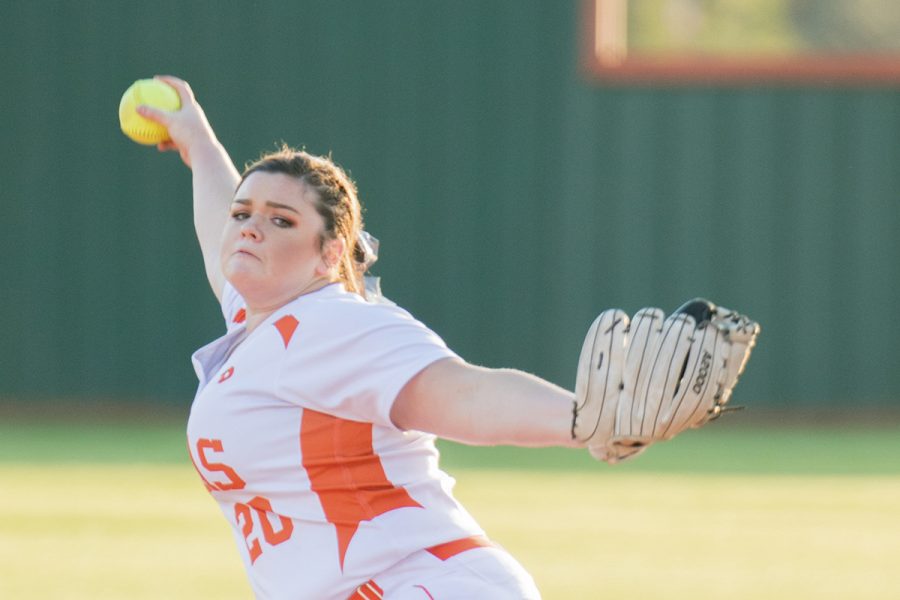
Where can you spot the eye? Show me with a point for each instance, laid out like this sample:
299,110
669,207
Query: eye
282,222
240,215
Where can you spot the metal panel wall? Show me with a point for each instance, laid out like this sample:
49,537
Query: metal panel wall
514,199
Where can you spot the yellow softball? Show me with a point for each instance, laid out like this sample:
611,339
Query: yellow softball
150,92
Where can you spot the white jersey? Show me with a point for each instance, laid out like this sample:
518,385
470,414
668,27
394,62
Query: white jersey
291,433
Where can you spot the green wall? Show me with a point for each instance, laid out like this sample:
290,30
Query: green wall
515,198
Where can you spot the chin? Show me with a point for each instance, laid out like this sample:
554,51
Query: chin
244,282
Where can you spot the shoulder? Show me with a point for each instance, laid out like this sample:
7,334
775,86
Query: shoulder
333,317
348,357
344,309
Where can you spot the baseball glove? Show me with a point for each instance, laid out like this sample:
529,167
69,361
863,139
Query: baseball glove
649,378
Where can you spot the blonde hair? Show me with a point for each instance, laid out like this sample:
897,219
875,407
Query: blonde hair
336,201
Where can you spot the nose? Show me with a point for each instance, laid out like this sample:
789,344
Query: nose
250,229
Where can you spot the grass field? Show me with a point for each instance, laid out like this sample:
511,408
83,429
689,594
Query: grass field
115,511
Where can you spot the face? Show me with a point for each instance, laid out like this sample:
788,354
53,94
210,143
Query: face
271,245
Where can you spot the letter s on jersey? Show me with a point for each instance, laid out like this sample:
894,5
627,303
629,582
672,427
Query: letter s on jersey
234,480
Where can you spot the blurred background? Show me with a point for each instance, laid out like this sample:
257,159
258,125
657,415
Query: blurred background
515,193
522,175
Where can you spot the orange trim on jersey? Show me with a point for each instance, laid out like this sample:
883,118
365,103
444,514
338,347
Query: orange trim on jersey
346,474
240,316
367,591
286,326
424,589
371,591
451,549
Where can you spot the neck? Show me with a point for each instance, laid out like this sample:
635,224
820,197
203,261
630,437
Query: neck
256,314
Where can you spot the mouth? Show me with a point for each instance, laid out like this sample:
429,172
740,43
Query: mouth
241,252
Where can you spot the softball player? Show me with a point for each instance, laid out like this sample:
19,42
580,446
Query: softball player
309,423
314,422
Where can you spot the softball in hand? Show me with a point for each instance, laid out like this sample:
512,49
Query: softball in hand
150,92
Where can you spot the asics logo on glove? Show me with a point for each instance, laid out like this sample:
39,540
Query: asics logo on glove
705,364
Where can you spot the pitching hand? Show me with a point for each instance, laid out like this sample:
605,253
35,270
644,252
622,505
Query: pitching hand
188,127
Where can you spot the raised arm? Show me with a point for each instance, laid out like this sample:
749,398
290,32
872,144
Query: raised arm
475,405
214,175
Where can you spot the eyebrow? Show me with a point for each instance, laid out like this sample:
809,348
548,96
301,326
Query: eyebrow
270,204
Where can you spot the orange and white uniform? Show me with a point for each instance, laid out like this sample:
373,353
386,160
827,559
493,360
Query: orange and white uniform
291,433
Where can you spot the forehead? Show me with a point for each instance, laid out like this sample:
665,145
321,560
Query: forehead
276,187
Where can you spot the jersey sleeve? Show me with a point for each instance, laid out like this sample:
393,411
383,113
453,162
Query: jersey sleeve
233,307
355,369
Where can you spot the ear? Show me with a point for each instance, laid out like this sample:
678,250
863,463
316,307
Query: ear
332,252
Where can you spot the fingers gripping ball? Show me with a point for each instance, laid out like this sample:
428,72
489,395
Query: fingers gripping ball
153,93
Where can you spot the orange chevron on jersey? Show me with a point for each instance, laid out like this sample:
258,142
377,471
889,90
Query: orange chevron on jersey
346,474
286,326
